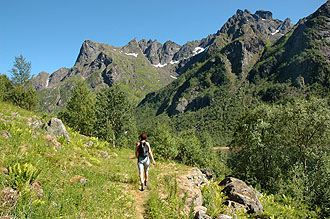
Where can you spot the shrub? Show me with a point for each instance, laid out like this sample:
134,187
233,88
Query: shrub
163,143
23,97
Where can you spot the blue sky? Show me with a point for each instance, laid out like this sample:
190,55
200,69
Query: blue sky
49,34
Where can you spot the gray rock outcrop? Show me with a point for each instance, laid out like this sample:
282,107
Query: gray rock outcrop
56,128
241,195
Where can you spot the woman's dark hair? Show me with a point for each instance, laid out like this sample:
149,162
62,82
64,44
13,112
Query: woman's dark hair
143,136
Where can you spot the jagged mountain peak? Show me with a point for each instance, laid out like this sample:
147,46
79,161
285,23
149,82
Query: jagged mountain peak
261,22
264,14
89,51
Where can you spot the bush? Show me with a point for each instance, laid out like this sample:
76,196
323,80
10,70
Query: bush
5,87
163,143
25,98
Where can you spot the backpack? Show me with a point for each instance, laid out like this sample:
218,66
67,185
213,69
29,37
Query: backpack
143,149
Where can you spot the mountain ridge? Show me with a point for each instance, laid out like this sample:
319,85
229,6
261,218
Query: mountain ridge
146,66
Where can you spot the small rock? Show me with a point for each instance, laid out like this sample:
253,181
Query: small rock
224,216
114,154
198,199
78,178
89,144
201,215
5,134
36,124
191,183
200,208
36,187
83,181
8,196
52,140
15,114
3,170
105,154
6,121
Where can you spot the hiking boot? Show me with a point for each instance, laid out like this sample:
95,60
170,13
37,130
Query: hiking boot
142,187
145,183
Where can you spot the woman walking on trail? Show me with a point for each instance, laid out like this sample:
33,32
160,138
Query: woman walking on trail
142,153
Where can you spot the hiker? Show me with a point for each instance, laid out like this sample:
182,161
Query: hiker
143,154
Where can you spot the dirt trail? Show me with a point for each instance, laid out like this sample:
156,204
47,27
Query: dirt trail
140,197
140,201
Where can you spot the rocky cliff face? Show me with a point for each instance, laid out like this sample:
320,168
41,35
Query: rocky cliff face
303,55
225,58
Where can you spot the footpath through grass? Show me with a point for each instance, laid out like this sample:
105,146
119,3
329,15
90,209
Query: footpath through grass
75,179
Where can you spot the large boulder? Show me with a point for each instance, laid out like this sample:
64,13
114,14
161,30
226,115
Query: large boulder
242,195
56,128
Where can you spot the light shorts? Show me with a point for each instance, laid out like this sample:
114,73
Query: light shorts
143,163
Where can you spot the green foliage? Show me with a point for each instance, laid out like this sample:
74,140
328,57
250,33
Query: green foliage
80,109
171,206
5,87
114,117
192,152
279,93
213,199
163,143
23,97
21,175
284,207
283,149
20,95
21,70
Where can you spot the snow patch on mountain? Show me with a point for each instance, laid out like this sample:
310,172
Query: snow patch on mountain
132,54
198,50
160,65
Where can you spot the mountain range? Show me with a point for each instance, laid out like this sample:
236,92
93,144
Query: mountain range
175,79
